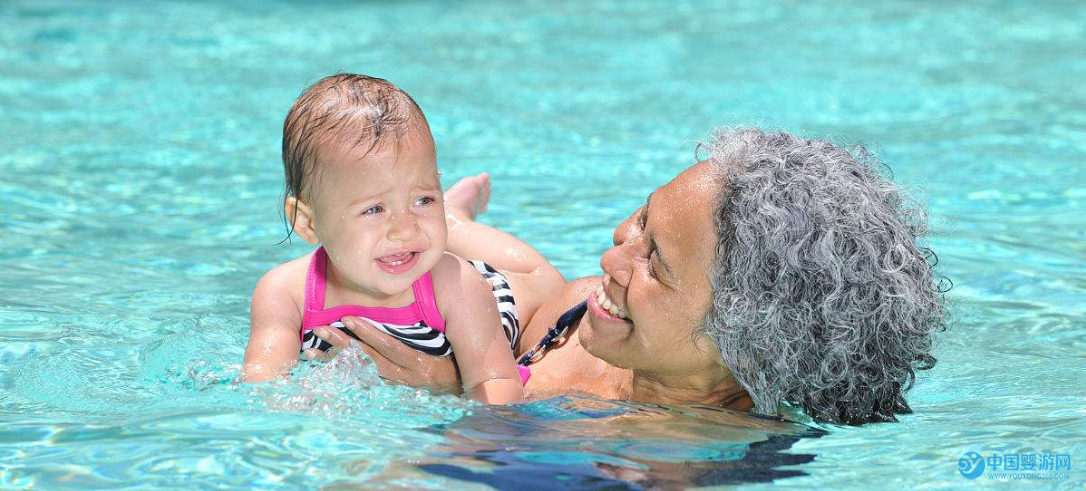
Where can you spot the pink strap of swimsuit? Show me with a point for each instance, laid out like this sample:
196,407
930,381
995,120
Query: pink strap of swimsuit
424,307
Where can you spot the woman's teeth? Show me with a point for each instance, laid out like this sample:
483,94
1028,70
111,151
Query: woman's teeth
608,305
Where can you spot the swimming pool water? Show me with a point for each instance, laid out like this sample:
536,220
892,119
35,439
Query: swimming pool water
140,186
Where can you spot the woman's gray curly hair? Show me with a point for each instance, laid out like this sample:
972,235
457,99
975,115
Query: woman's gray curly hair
822,297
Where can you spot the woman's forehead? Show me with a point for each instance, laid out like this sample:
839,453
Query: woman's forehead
691,192
702,176
681,216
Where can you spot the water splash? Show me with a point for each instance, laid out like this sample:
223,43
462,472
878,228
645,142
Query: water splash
350,387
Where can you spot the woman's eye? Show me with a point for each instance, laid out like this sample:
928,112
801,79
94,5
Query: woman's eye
643,218
373,210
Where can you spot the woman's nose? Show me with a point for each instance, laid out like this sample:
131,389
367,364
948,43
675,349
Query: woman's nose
617,264
403,227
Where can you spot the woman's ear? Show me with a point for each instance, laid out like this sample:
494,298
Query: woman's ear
301,217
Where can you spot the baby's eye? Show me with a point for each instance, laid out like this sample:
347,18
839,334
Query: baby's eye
373,210
425,200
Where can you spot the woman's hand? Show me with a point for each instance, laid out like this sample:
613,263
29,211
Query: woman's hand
395,361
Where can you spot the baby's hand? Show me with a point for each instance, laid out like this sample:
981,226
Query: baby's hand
395,361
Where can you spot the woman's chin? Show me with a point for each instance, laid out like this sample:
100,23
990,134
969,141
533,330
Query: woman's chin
590,342
606,348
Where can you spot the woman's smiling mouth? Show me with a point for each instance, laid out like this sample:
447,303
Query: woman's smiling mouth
605,306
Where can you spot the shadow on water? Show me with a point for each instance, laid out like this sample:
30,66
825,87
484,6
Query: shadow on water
580,443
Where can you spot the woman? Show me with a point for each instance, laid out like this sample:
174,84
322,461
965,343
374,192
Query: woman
779,271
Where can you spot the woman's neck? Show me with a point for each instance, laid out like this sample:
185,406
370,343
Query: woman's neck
714,390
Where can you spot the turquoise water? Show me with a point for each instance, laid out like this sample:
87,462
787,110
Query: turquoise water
140,186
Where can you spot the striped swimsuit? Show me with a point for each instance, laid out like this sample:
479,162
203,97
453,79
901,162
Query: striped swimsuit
418,325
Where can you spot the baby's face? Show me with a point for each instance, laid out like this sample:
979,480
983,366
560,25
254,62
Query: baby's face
380,215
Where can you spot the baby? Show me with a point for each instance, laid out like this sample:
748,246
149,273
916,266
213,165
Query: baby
362,181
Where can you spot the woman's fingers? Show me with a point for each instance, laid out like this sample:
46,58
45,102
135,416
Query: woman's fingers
314,354
399,362
395,361
388,346
333,336
341,341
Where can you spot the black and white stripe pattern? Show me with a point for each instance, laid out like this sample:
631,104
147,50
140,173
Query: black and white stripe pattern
428,340
503,295
418,336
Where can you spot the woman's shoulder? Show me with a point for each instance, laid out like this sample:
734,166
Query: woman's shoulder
573,293
569,295
567,368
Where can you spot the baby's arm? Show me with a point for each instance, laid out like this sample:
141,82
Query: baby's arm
275,321
473,328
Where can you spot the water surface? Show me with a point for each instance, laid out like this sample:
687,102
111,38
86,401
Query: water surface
141,182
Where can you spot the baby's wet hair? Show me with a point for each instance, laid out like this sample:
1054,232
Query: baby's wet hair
345,109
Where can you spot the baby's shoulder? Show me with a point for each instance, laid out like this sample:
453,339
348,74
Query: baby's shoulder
452,271
286,280
456,280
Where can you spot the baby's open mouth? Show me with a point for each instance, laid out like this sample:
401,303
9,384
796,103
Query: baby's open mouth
398,263
396,259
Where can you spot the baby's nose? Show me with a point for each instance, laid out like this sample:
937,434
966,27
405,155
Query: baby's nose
403,227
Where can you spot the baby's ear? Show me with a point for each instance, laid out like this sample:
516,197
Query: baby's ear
300,217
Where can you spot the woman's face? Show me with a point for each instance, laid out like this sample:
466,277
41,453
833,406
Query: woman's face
655,289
